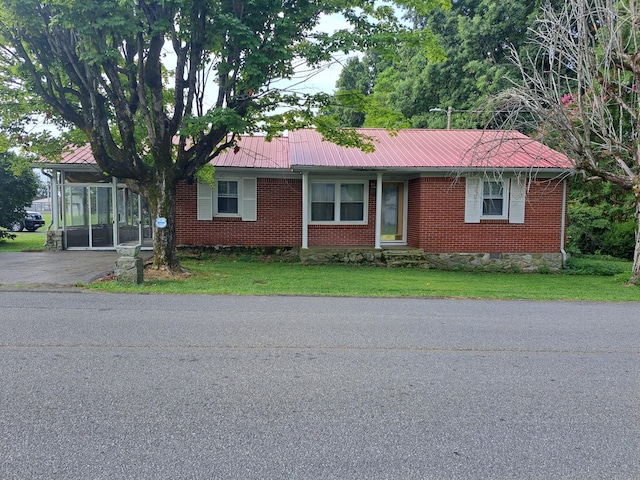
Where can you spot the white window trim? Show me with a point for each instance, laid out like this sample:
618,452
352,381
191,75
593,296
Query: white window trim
215,198
207,198
338,183
505,200
515,190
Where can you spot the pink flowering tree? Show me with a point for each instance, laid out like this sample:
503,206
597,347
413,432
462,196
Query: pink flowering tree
579,91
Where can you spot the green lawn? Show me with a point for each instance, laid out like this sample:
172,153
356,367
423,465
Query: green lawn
25,242
224,275
594,279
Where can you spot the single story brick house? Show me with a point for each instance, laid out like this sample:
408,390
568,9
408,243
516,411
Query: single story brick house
455,198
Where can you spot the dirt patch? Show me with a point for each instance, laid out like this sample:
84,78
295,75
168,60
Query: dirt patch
151,273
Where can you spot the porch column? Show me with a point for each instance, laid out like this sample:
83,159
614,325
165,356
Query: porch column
378,209
305,210
114,210
55,212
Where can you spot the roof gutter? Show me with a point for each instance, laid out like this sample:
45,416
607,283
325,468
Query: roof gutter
424,169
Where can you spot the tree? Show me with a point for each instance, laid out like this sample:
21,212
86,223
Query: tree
353,86
475,36
18,188
579,91
102,67
600,219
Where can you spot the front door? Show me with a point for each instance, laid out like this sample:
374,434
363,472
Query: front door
393,212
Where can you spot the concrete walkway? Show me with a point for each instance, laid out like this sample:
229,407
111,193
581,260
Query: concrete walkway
60,269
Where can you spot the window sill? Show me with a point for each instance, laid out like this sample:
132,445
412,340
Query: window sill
339,224
494,220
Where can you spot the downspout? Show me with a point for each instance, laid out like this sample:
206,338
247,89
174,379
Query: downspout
563,222
54,199
305,210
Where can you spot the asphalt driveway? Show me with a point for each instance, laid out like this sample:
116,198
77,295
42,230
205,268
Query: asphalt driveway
61,269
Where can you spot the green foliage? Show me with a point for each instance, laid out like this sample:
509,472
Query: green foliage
600,220
206,175
598,266
98,67
471,66
18,188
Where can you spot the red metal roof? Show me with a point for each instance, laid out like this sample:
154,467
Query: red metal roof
78,155
256,152
409,149
252,152
432,149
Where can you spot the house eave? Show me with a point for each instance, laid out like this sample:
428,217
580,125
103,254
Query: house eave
68,167
426,171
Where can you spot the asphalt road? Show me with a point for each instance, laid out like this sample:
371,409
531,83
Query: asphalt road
142,386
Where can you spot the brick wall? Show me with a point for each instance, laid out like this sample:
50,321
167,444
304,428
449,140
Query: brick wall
436,220
279,220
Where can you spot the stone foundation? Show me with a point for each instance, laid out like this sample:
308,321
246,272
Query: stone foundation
54,241
402,257
345,256
416,258
497,262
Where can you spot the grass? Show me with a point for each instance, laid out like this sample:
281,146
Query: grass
586,278
25,242
225,275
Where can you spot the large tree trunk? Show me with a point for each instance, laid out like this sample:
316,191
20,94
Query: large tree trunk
161,197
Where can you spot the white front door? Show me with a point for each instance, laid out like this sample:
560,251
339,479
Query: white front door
393,212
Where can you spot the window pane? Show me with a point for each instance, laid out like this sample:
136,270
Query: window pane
351,212
352,192
323,192
227,205
493,198
322,212
492,189
228,196
492,206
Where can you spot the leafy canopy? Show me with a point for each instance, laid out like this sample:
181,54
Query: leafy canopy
160,87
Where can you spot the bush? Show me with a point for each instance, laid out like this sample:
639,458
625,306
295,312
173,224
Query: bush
591,231
601,267
619,240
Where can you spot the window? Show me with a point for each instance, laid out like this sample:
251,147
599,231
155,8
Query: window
352,202
493,199
323,202
338,202
228,197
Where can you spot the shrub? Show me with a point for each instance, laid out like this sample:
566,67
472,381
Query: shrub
590,266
